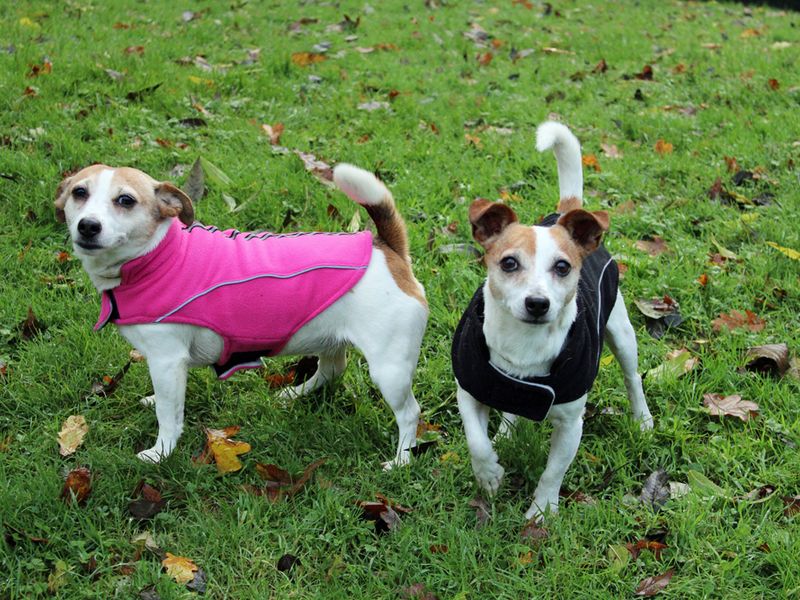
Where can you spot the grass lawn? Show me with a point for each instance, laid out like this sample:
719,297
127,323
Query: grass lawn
441,98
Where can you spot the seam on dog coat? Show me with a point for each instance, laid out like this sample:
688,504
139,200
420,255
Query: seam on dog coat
574,369
255,290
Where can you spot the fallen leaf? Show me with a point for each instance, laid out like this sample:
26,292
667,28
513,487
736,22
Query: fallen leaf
660,314
770,359
611,150
180,568
678,489
653,546
653,585
109,384
653,246
280,483
137,95
321,170
730,406
287,562
663,147
194,186
384,513
216,175
646,74
225,450
619,556
139,50
438,549
72,434
735,320
534,532
77,486
473,140
758,494
700,484
790,252
482,513
304,59
600,67
417,591
773,84
31,326
791,505
590,160
273,132
655,491
58,576
148,503
484,59
677,363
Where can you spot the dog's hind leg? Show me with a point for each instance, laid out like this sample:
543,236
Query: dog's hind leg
622,340
329,367
506,427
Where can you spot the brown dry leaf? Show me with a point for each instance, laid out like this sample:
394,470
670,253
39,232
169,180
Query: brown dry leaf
662,147
77,486
534,532
770,359
180,568
148,501
138,50
590,160
417,591
611,150
774,85
646,74
273,132
748,33
653,546
485,58
732,164
653,585
31,326
319,169
72,434
654,246
791,505
730,406
225,450
280,482
600,67
473,140
304,59
735,319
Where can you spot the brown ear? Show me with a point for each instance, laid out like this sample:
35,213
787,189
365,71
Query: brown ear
174,203
61,199
586,228
489,219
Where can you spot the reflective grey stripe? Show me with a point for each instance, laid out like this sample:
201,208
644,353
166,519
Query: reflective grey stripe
253,278
600,307
239,367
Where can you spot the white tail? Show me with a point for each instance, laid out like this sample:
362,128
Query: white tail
558,137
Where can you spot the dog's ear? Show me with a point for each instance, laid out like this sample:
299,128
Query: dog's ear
61,199
586,228
489,219
173,202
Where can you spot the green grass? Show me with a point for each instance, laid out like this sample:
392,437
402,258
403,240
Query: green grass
77,114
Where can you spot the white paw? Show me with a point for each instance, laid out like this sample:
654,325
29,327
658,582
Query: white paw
153,455
288,393
148,401
646,422
489,473
400,460
540,507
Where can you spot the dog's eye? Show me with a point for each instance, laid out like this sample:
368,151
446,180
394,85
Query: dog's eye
562,268
509,264
80,192
125,200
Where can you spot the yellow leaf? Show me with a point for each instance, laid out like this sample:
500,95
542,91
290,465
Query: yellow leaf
200,81
606,360
450,457
303,59
180,568
663,147
26,22
71,434
790,252
225,450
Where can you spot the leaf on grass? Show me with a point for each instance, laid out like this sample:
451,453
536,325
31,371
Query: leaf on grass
148,503
678,489
759,494
31,326
653,546
319,169
654,246
180,568
655,491
611,150
660,314
194,186
223,450
482,513
730,406
653,585
280,483
273,132
735,320
701,484
71,435
216,175
58,576
677,363
287,562
646,74
304,59
417,591
384,512
77,486
590,160
534,532
137,95
662,147
791,505
619,556
770,359
790,252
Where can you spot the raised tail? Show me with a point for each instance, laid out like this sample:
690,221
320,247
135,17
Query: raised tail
368,191
558,137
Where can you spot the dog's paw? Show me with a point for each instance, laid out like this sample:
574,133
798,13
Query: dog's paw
153,455
646,422
541,507
400,460
148,401
489,473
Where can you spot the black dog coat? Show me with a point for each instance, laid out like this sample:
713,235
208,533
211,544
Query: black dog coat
574,369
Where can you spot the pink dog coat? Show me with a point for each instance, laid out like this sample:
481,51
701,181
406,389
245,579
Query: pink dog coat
255,290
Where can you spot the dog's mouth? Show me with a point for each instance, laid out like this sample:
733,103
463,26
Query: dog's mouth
88,245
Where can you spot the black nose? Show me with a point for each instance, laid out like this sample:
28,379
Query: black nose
89,228
537,307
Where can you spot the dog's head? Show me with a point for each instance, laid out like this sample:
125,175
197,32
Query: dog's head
533,272
116,211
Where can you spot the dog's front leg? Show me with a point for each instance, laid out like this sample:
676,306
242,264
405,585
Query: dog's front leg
567,420
169,385
485,465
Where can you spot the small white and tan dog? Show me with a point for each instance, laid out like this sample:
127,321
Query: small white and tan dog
529,343
126,229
